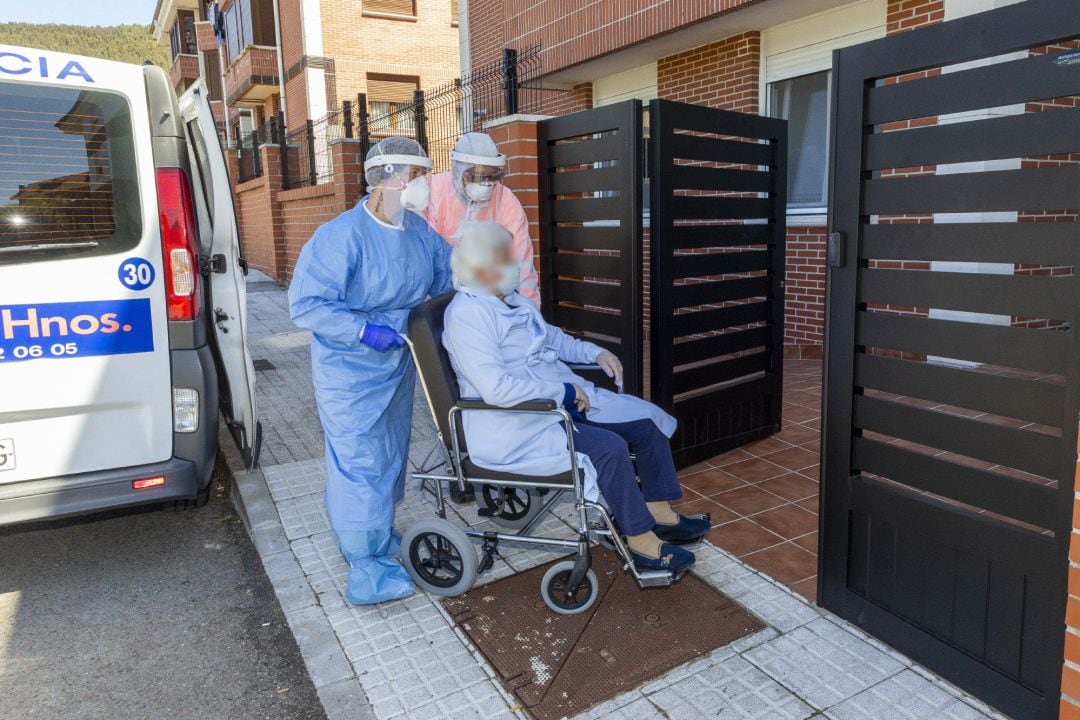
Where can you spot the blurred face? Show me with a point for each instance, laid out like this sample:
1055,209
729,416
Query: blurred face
490,277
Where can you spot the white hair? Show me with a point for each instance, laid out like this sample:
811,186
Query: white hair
476,248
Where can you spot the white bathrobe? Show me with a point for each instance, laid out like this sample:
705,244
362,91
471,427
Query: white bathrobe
504,353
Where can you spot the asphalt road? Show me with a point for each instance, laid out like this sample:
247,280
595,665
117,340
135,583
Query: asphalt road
145,614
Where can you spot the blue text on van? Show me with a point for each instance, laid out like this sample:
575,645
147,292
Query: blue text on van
101,327
16,64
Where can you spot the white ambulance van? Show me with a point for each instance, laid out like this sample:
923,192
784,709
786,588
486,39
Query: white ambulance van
122,299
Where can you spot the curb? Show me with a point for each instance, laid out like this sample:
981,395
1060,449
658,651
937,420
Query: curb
335,681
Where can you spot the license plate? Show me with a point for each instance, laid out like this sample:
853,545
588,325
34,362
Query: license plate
7,454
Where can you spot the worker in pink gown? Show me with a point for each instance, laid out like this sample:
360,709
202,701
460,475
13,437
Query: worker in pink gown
473,191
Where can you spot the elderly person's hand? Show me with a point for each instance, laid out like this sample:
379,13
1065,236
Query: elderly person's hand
611,366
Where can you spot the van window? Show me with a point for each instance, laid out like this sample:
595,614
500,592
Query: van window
68,183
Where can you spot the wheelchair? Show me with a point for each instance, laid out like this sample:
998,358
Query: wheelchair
440,556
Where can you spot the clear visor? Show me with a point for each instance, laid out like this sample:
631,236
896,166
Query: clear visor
482,174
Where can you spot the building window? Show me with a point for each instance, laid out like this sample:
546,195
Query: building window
453,12
804,102
248,22
390,104
182,35
404,8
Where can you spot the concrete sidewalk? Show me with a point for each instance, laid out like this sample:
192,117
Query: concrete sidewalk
406,659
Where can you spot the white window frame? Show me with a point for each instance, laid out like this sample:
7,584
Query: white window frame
804,47
816,213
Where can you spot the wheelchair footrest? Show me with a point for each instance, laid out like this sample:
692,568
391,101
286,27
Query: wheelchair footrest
655,578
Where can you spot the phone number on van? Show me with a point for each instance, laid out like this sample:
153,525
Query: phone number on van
78,329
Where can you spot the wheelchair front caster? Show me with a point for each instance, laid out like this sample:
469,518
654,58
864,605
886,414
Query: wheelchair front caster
509,507
439,557
553,589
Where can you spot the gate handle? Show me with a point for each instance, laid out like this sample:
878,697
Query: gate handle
835,250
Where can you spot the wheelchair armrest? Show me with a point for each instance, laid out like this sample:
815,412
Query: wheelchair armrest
538,405
583,366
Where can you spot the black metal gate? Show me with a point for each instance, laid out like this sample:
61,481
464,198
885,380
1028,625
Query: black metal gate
950,437
718,183
590,229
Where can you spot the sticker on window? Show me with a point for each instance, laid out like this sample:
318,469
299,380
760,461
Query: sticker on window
78,329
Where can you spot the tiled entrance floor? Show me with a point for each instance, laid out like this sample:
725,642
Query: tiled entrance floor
763,497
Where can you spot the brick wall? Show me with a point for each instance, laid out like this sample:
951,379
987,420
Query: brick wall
570,33
804,301
725,74
904,15
275,223
516,138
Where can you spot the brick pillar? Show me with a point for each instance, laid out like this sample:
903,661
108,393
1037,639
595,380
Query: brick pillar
258,214
515,137
348,170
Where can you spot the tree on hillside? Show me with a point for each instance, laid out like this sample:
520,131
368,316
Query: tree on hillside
126,43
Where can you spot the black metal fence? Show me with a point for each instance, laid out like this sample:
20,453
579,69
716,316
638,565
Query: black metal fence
435,118
307,155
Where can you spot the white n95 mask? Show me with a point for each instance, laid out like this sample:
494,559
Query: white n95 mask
479,192
416,194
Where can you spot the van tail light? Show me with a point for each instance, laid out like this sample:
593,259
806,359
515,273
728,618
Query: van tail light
178,246
148,483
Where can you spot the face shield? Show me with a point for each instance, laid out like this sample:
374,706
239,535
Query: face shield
477,167
398,166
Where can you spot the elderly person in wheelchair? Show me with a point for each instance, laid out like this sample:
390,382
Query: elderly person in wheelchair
503,352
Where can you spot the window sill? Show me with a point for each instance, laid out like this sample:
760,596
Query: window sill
812,218
389,16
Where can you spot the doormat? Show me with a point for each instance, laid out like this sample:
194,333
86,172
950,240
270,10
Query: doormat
560,665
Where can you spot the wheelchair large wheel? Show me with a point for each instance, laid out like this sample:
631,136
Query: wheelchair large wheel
512,508
439,557
553,589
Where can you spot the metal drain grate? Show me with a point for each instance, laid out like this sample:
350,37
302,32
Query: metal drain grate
559,666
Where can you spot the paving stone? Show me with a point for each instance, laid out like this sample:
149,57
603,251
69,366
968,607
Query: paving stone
325,660
296,479
905,696
823,664
303,516
731,690
344,700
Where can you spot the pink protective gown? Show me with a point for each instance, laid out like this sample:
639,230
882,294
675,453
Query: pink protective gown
446,211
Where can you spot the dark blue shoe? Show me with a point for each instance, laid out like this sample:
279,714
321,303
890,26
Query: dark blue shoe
689,529
673,559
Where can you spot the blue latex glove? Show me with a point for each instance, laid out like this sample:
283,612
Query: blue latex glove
381,338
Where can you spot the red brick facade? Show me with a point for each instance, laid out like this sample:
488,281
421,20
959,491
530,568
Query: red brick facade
570,33
725,74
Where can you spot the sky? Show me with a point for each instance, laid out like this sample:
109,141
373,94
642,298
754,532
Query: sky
78,12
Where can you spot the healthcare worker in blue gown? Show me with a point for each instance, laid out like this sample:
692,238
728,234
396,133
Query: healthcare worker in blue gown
353,286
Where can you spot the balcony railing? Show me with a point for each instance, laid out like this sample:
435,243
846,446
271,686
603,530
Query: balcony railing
184,71
253,75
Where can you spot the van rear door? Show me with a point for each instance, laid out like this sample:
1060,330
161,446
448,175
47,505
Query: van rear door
84,350
224,267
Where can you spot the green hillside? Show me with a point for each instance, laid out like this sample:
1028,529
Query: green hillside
127,43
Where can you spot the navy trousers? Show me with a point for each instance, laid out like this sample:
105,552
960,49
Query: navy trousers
609,445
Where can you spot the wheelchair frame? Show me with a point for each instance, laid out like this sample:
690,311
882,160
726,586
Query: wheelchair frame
491,539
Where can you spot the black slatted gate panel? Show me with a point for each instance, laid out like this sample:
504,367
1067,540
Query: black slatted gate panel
590,230
952,374
717,225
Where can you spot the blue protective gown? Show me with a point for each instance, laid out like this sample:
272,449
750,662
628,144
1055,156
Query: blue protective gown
356,269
